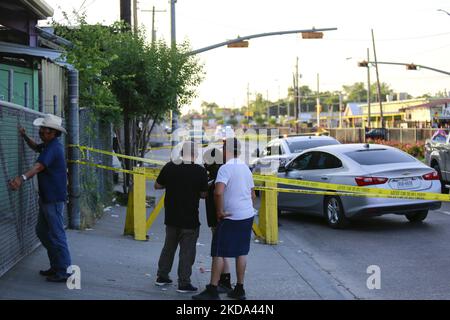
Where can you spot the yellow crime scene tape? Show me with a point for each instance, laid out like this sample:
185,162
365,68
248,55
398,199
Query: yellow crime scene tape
354,190
324,188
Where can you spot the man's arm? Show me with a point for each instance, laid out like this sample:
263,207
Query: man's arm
253,194
30,142
218,200
16,183
159,186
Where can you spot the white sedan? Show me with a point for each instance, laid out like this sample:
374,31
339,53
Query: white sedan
374,166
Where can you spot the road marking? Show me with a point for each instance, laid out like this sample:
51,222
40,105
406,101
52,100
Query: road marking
443,212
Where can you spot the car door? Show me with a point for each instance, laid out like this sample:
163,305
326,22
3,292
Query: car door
323,169
298,169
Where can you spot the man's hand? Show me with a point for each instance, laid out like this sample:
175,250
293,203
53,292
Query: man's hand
22,131
222,215
15,183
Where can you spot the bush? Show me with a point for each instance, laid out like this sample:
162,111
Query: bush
417,149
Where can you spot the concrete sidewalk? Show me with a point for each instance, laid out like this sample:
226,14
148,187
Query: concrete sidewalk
117,267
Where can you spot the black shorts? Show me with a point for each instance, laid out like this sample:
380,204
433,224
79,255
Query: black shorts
231,238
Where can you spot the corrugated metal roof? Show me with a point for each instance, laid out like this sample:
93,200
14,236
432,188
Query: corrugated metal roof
12,48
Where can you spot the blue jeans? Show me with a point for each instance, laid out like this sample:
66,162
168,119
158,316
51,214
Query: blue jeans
50,230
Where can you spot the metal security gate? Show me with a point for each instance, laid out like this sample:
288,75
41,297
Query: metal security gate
18,209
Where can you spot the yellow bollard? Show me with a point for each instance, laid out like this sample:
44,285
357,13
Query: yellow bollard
268,215
135,223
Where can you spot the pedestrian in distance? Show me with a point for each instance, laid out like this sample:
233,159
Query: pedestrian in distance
185,183
212,161
233,195
51,170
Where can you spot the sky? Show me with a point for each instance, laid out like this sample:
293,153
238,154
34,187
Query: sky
407,31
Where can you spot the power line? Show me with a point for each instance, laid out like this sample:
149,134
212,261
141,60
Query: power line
391,39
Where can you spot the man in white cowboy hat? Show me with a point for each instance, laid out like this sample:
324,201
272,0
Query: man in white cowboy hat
52,179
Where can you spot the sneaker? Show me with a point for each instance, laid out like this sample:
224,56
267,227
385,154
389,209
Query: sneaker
187,288
161,281
210,293
238,293
57,278
224,285
46,273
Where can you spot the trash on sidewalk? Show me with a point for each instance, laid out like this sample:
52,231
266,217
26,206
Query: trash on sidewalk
115,215
203,270
200,244
107,209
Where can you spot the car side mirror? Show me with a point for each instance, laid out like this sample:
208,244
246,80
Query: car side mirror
284,168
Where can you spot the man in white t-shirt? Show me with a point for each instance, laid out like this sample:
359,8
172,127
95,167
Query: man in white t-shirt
233,196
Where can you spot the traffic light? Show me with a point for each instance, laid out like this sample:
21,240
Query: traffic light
411,66
363,64
312,35
240,44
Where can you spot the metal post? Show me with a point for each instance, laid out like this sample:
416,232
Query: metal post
368,89
340,110
174,43
55,104
135,16
73,125
318,104
10,85
378,82
25,94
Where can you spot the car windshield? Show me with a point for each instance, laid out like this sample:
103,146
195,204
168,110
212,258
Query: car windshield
379,156
300,145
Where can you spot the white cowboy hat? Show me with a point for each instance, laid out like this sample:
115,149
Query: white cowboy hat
50,121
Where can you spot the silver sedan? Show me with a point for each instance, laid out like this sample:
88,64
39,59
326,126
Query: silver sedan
374,166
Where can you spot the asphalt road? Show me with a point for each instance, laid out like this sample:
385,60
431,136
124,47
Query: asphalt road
413,260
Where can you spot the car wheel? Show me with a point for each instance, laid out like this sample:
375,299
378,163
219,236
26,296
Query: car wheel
443,188
334,213
418,216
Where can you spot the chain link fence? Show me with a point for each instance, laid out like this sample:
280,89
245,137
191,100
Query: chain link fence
96,184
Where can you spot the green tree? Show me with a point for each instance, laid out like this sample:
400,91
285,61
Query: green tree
209,108
356,92
121,73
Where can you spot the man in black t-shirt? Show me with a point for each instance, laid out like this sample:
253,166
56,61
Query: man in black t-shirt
185,184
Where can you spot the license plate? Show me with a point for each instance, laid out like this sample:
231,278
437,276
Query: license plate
406,183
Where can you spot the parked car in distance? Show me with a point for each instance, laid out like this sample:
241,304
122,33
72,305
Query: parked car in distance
364,165
197,136
223,132
279,151
437,156
377,134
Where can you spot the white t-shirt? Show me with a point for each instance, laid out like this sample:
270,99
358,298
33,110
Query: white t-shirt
237,197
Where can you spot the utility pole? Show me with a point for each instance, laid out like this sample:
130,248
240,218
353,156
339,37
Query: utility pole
125,15
248,101
174,44
368,89
340,110
135,16
318,104
297,95
125,11
378,81
153,11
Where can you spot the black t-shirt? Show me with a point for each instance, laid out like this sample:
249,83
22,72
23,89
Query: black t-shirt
183,183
